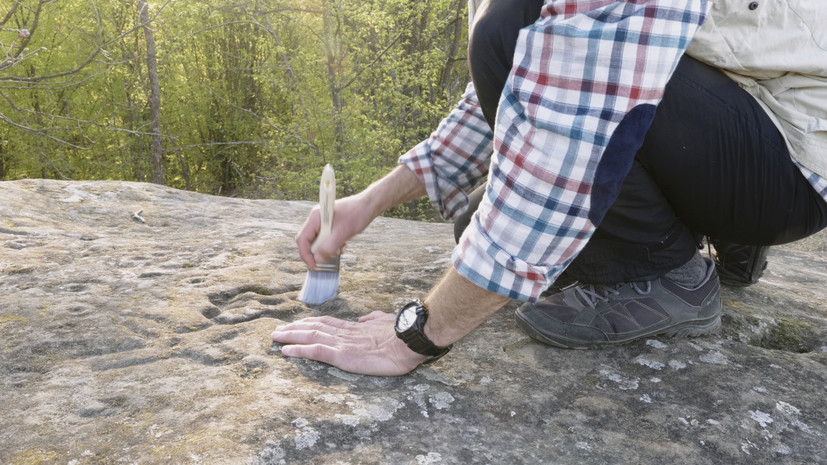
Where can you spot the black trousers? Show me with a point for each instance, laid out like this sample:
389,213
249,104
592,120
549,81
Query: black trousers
712,163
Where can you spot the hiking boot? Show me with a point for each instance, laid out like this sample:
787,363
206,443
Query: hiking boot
561,283
739,265
589,316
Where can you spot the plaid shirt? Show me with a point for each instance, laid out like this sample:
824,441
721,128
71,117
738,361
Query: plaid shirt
578,72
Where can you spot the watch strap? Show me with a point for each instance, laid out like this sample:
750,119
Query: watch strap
415,338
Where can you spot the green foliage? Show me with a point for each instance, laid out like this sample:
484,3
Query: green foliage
256,96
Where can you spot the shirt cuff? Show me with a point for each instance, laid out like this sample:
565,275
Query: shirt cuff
479,259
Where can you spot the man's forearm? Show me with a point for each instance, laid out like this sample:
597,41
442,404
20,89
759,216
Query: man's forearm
397,187
456,306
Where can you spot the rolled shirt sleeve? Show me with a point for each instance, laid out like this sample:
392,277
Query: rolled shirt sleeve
455,156
587,77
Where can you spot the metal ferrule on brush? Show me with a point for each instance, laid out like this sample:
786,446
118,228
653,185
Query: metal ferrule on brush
330,266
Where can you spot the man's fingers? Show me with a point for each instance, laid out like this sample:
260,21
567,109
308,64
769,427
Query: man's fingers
375,315
304,337
329,248
324,323
306,235
318,352
369,347
305,255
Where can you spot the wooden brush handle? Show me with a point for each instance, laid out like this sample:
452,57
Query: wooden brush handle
327,197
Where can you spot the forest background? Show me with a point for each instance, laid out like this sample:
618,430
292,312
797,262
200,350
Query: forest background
249,98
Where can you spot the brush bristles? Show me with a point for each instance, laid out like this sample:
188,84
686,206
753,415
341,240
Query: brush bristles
321,284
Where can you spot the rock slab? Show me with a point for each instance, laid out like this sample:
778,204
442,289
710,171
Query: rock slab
134,323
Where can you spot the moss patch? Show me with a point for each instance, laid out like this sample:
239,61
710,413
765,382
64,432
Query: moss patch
34,456
11,319
790,335
18,269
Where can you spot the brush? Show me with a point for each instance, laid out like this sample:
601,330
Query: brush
322,283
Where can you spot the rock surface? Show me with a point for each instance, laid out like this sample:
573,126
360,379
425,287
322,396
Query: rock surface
134,323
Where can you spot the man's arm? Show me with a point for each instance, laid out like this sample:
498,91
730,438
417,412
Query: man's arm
370,346
457,306
444,165
353,214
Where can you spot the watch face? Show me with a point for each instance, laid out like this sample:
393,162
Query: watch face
407,317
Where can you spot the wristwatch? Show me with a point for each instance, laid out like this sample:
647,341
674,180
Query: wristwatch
410,325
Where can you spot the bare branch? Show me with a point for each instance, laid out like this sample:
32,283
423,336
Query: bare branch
40,132
90,59
10,14
370,65
24,34
61,84
214,144
85,122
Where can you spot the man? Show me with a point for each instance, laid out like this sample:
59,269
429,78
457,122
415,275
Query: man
616,145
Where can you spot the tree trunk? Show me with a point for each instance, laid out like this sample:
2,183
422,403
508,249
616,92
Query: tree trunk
154,95
333,53
185,169
2,163
453,48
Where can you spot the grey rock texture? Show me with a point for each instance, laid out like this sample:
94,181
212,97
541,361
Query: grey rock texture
130,337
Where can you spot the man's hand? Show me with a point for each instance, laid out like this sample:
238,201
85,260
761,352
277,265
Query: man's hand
351,215
369,346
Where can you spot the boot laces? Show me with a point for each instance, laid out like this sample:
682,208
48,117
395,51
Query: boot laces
592,294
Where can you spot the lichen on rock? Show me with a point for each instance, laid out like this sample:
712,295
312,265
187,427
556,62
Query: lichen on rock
125,341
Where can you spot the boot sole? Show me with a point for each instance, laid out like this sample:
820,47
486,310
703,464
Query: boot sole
692,328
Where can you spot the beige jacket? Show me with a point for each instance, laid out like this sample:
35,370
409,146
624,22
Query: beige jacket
777,51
